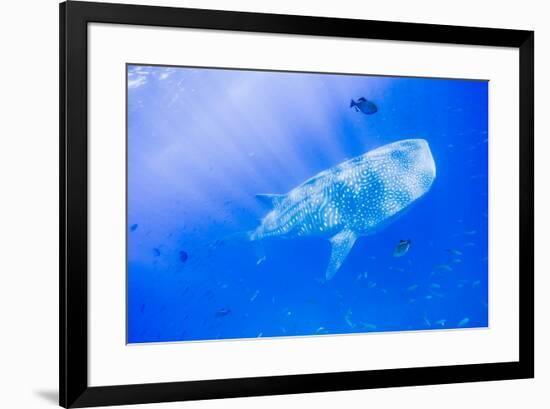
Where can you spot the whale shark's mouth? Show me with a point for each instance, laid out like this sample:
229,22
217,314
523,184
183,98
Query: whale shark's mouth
426,160
419,163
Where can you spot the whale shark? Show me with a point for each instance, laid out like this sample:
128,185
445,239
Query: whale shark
355,198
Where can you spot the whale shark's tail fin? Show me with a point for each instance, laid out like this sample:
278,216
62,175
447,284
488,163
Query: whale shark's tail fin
341,246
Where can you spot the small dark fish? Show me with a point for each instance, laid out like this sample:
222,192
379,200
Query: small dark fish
402,248
454,252
156,252
183,256
223,312
133,227
364,106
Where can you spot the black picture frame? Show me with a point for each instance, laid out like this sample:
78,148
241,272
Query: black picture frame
73,349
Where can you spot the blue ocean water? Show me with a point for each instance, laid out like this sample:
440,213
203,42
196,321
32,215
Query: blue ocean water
203,142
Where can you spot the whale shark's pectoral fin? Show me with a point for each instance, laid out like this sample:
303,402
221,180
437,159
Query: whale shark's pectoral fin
270,199
341,246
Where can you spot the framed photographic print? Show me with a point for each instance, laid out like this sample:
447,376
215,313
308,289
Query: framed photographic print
256,204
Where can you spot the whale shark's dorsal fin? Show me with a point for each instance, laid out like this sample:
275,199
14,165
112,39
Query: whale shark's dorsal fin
341,246
270,199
